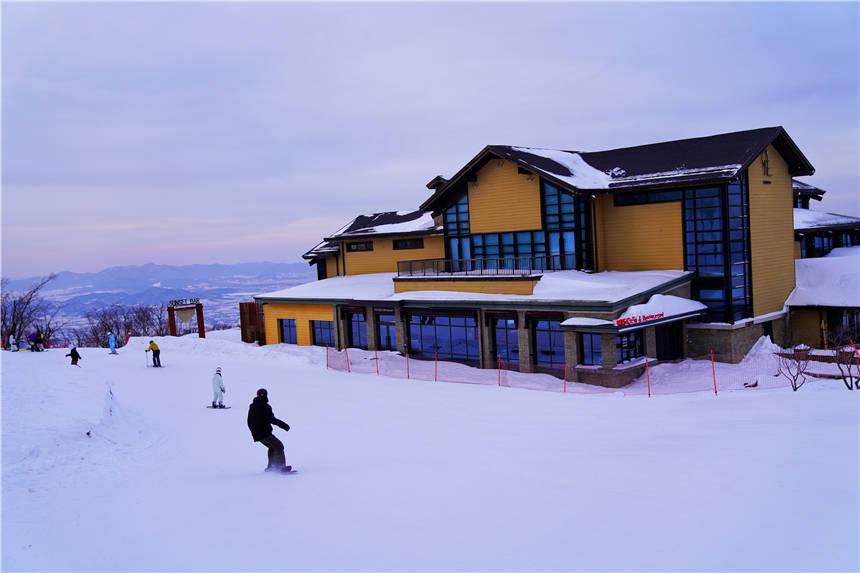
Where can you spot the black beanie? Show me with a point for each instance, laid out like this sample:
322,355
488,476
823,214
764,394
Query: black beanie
262,392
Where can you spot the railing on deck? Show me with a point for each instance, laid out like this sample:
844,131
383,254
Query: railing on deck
502,266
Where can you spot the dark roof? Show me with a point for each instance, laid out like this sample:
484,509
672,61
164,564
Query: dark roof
807,190
323,250
700,160
388,223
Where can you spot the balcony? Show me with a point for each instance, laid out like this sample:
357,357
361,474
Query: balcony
489,267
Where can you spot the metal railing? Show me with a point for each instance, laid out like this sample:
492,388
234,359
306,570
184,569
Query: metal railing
501,266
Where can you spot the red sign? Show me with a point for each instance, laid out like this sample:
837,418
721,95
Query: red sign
637,319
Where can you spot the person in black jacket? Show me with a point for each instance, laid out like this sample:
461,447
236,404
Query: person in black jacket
260,420
75,356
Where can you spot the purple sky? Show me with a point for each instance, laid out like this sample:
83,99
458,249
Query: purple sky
181,133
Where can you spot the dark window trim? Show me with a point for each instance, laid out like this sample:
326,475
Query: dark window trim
359,247
403,244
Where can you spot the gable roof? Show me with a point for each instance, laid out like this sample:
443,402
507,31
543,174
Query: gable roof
386,224
807,190
700,160
323,250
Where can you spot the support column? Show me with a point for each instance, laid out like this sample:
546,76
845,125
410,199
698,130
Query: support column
488,360
335,313
171,320
401,330
344,330
372,330
524,341
201,329
650,335
571,353
607,348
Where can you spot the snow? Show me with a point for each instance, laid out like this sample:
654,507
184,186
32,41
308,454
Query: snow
832,280
586,321
660,306
582,175
422,223
609,286
409,475
657,176
808,219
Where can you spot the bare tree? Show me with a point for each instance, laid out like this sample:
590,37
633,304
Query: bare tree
793,366
19,311
139,320
847,361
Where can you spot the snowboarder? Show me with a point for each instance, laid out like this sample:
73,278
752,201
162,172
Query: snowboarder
260,420
156,354
218,389
112,343
13,343
75,356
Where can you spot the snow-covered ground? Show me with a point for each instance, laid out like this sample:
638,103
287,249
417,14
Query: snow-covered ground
115,466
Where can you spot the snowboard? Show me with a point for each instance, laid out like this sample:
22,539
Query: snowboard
289,471
224,408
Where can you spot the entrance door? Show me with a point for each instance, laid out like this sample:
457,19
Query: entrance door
670,342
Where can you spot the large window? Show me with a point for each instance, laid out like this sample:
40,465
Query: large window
288,330
739,249
548,344
321,269
452,337
387,328
591,349
507,340
323,332
357,330
567,220
628,346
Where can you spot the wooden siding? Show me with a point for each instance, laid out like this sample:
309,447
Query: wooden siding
639,237
797,251
504,200
383,258
331,267
488,286
302,313
806,327
771,234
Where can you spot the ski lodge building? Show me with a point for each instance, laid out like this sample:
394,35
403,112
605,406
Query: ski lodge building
548,259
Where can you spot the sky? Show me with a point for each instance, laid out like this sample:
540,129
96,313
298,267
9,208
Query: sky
181,133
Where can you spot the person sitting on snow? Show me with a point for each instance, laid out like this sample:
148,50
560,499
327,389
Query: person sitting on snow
218,389
260,420
75,356
156,354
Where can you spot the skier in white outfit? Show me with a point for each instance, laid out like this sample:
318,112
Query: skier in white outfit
218,389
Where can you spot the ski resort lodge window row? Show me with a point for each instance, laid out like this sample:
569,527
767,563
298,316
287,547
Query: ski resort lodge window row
452,337
323,332
288,330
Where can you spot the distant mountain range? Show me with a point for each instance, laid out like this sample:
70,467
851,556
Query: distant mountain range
219,287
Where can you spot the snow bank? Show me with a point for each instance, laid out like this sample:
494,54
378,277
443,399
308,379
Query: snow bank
833,280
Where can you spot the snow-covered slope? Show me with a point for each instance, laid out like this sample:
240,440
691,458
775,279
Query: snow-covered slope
407,475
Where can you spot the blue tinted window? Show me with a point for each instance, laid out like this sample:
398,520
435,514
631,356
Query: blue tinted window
288,331
323,332
592,349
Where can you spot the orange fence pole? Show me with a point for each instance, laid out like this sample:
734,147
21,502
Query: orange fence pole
326,356
346,351
648,375
407,366
436,366
376,357
565,374
500,370
714,370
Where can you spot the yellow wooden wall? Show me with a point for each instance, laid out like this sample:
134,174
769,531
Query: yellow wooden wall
639,237
797,251
504,200
331,267
489,287
302,313
383,258
806,327
771,234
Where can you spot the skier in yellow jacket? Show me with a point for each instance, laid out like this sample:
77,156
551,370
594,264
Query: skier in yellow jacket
156,354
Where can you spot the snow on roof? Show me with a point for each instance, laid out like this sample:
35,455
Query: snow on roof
322,249
561,286
580,174
388,222
808,219
828,281
586,321
663,306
